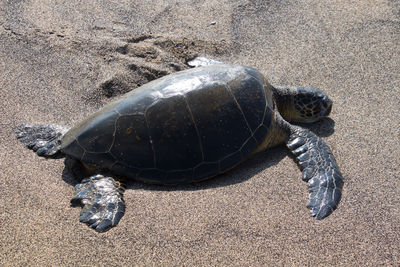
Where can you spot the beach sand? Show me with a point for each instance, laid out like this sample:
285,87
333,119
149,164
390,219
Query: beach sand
62,61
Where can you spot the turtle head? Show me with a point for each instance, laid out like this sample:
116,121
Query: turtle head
310,105
302,104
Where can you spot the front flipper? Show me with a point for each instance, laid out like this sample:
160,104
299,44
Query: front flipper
319,169
101,201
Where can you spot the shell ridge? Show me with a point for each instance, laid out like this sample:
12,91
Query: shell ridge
195,126
228,88
114,133
84,150
148,131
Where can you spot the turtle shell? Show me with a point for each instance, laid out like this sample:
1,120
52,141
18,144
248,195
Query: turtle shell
184,127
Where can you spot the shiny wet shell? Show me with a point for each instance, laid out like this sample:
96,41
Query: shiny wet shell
184,127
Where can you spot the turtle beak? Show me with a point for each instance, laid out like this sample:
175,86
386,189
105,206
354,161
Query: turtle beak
327,106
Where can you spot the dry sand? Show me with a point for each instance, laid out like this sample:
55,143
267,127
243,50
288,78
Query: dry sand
59,62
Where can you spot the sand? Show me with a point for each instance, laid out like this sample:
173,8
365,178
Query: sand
61,61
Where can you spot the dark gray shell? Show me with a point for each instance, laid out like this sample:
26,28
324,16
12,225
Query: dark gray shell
185,127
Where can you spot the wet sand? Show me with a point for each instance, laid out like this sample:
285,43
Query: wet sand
60,62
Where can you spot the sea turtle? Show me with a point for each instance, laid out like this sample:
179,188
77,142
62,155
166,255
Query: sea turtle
186,127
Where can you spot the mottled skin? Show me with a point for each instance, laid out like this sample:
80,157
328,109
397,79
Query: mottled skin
190,126
301,104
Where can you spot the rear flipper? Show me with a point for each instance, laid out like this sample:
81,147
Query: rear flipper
319,170
101,201
45,140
